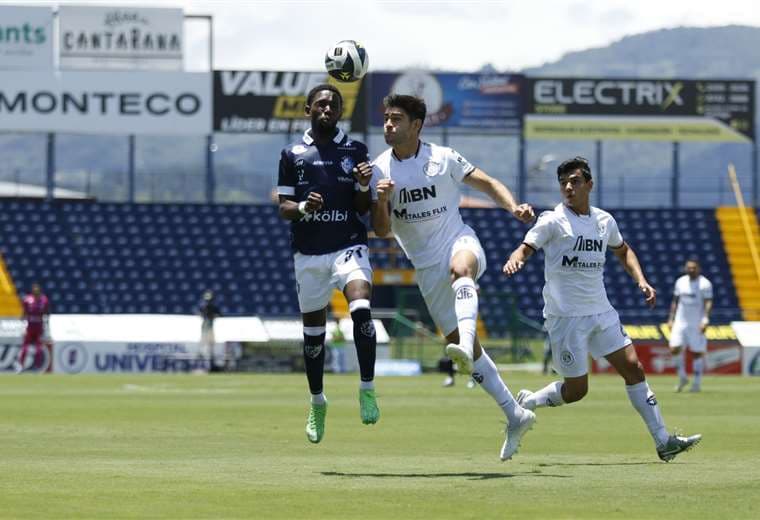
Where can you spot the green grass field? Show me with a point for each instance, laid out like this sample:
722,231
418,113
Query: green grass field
234,447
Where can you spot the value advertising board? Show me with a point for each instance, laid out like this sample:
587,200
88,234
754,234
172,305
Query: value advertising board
26,37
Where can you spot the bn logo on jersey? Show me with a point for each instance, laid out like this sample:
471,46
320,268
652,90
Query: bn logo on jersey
406,196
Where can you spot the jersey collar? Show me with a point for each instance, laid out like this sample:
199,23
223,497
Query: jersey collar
416,153
310,140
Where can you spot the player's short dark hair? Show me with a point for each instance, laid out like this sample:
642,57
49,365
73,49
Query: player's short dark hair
576,163
692,259
319,88
412,105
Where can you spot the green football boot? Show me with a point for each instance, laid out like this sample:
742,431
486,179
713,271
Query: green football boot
315,424
368,407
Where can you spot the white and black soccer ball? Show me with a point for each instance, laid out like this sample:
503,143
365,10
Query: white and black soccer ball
347,61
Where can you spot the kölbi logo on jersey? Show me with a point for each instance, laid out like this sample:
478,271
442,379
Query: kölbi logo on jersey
332,215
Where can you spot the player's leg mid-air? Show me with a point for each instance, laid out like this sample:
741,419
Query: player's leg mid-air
357,292
465,350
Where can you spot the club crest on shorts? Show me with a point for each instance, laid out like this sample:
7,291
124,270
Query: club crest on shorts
368,329
431,168
312,350
347,163
566,358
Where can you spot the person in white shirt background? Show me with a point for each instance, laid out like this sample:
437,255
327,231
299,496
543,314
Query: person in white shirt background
688,320
580,321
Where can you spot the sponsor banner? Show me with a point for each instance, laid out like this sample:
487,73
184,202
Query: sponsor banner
751,361
38,360
465,102
273,101
120,37
75,357
116,102
721,358
26,37
747,332
640,109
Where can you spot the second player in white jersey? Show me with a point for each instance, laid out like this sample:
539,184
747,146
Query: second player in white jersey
579,318
689,317
417,188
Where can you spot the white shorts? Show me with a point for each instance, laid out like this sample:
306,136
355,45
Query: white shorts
317,275
574,338
682,335
435,282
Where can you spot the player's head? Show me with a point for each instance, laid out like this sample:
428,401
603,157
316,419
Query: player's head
403,118
208,295
575,182
324,105
36,289
692,268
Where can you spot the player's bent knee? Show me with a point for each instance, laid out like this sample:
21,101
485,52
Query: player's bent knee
574,394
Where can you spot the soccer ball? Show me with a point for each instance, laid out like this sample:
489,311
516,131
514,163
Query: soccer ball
346,61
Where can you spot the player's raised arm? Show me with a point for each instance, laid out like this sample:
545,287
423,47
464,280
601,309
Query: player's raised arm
517,259
500,194
381,211
631,264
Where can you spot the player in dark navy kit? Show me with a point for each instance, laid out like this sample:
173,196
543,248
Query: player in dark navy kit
323,188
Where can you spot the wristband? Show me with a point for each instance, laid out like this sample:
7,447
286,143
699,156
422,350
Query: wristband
302,207
364,189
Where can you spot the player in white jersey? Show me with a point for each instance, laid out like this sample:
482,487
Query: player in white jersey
579,319
689,317
417,187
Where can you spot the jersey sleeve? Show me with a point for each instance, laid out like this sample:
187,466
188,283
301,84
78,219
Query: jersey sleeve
676,289
459,167
707,290
286,179
541,232
615,238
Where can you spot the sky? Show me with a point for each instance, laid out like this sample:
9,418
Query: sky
446,35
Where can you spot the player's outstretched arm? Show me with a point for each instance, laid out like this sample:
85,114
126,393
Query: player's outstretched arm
517,259
672,313
630,262
292,210
500,194
363,196
381,216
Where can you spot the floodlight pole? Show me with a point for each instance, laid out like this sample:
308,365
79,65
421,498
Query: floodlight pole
210,146
50,167
676,174
131,168
599,191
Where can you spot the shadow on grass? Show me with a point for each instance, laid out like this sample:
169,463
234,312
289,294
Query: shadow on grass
560,464
469,475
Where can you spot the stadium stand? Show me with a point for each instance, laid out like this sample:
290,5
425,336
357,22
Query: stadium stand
96,257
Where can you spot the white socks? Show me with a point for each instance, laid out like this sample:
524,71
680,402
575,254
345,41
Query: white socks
699,368
366,385
466,308
550,395
680,360
485,373
643,399
318,398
